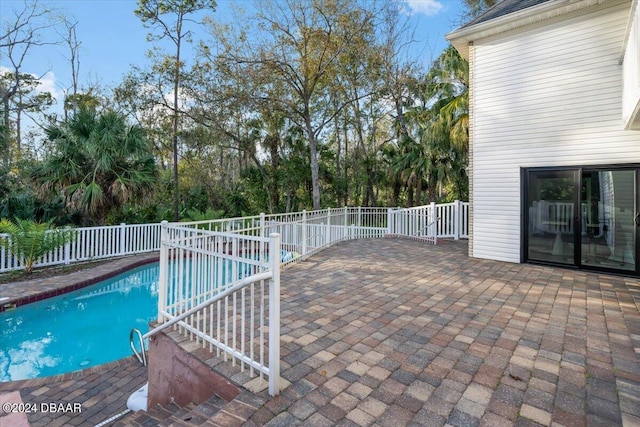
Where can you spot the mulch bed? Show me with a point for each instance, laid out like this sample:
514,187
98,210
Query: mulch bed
42,272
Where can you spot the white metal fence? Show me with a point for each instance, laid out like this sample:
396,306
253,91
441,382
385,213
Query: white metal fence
92,243
222,290
302,233
219,280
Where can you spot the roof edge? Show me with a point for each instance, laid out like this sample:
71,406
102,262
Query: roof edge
461,37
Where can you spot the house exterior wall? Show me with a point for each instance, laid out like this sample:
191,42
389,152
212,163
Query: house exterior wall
549,95
631,72
471,136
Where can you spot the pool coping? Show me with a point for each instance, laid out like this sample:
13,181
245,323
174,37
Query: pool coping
60,378
47,287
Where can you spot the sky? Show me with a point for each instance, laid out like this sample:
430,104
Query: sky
112,38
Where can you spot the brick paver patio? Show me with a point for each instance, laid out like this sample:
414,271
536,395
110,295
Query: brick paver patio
393,332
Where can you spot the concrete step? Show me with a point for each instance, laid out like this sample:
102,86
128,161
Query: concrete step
152,417
174,415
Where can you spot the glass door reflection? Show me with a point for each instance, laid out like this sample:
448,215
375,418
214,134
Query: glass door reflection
607,210
551,199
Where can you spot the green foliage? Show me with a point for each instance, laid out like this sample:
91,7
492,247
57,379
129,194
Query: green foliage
5,182
309,103
30,240
209,214
77,101
150,11
27,206
236,204
98,163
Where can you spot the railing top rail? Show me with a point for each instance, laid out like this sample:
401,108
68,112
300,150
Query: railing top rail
219,220
222,255
242,283
198,233
413,208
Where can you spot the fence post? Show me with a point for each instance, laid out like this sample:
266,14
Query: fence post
274,315
327,238
456,215
163,274
123,241
4,262
304,232
345,233
433,214
389,221
262,224
67,250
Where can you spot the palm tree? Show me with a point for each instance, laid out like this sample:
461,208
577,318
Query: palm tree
434,143
410,165
446,136
98,163
387,155
449,86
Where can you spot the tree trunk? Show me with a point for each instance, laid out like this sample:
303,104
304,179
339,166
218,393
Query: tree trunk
176,87
5,148
432,192
397,186
409,196
313,154
340,185
345,166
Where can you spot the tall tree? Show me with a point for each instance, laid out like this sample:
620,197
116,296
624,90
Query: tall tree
170,20
25,99
72,99
21,33
446,134
301,48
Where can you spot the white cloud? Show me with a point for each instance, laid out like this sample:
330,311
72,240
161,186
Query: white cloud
46,83
426,7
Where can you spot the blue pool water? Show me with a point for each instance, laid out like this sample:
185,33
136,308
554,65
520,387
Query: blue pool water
79,329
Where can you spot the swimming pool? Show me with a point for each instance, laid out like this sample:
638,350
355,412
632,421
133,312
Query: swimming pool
80,329
90,326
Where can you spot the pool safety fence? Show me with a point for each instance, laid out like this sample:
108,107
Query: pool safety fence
90,243
219,280
222,290
302,233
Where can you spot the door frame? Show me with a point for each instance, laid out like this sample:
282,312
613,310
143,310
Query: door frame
577,237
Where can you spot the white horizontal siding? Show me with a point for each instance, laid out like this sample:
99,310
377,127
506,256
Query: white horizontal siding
631,74
549,96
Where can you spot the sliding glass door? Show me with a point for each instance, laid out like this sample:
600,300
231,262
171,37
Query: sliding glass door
550,205
608,211
584,217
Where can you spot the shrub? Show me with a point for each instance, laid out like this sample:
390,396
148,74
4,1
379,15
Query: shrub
30,240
